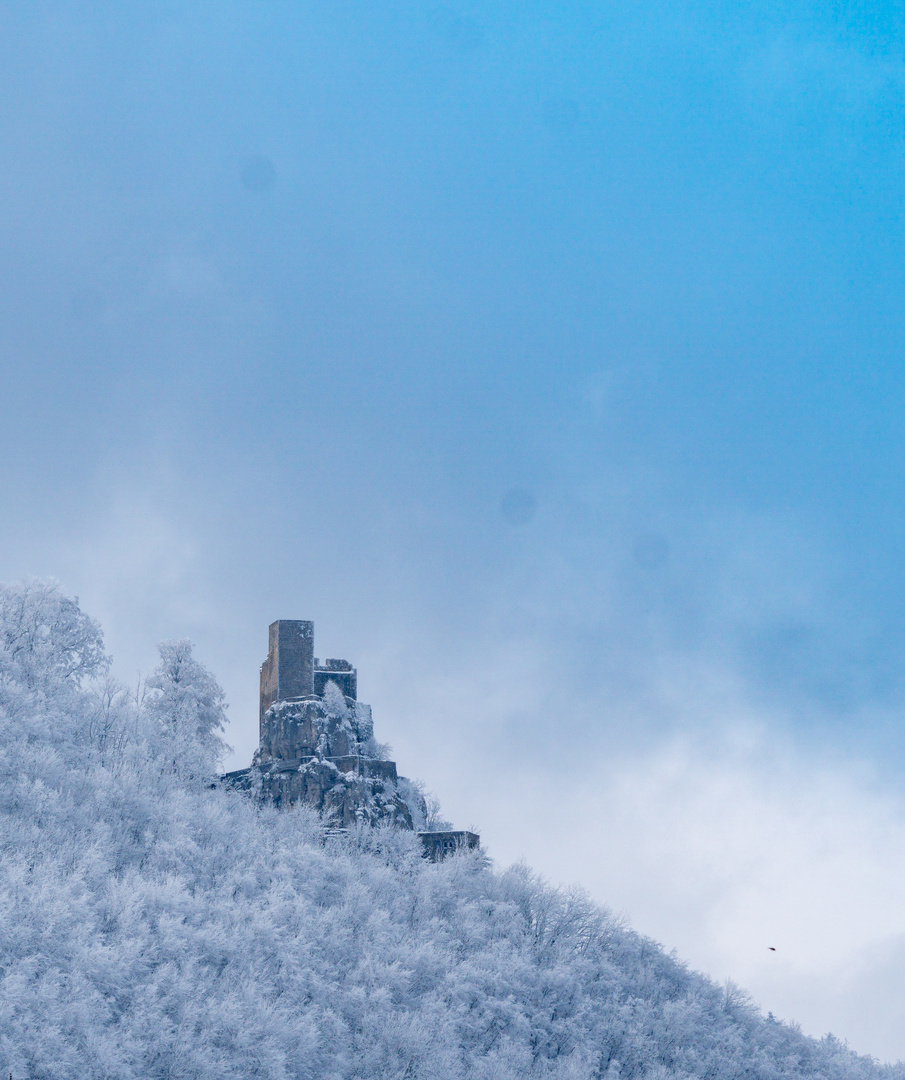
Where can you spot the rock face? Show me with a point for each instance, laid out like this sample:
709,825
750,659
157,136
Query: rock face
331,725
321,750
345,789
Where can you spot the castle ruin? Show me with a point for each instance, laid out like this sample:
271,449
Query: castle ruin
317,746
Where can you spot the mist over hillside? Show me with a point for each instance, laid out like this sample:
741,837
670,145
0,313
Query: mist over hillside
155,924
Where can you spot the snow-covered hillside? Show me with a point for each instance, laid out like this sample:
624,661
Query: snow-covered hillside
154,924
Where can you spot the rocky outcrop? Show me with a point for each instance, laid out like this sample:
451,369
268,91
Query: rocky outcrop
348,791
329,726
317,746
320,750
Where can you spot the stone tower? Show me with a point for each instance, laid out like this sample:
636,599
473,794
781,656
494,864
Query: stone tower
292,672
288,671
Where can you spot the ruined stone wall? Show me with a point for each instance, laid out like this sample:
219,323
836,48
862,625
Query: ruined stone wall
440,845
340,672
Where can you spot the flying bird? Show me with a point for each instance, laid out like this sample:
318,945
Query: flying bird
770,947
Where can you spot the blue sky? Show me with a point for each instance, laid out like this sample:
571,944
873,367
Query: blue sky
549,357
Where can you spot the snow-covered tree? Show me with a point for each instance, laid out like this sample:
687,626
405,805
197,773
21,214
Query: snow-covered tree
45,637
186,701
